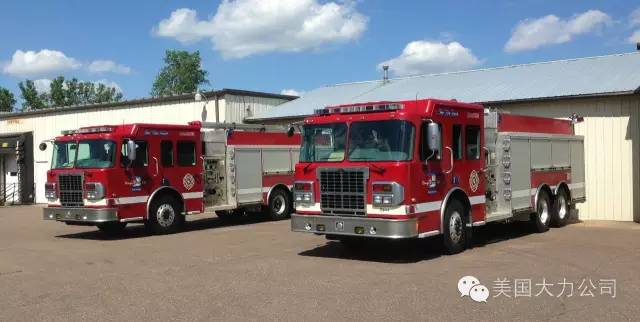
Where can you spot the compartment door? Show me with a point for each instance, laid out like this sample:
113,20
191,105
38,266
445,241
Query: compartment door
248,175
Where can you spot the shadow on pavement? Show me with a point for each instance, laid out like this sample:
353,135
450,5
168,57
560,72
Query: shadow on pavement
135,230
416,250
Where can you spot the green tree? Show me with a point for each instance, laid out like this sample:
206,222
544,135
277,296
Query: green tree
57,92
31,98
182,73
7,101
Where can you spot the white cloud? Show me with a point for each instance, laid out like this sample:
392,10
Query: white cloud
243,28
42,85
107,66
634,38
531,34
634,18
423,57
292,92
44,62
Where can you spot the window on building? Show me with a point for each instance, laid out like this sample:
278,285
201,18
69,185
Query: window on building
166,153
186,153
473,142
457,141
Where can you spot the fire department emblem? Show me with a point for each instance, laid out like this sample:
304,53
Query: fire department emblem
188,181
474,180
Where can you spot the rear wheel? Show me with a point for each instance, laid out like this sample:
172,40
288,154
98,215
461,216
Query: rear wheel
112,228
560,209
454,234
165,215
279,204
542,217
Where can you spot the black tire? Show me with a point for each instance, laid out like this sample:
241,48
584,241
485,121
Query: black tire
541,219
279,204
112,228
561,207
454,234
165,215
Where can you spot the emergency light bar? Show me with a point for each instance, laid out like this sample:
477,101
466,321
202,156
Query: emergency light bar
98,129
359,108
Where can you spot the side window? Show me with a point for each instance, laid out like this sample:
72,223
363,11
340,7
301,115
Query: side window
456,145
166,153
426,151
472,140
142,159
186,153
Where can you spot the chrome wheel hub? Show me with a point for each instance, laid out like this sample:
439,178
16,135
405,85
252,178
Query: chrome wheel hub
279,205
543,212
165,215
562,212
455,227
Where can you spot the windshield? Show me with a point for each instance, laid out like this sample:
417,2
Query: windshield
64,155
86,154
323,142
381,141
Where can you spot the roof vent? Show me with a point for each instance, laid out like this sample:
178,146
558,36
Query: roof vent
385,77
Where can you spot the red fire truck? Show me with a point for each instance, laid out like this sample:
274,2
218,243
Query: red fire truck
420,168
111,175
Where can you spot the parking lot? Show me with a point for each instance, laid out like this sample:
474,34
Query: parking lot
259,270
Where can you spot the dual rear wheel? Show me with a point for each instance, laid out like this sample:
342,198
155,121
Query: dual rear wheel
551,212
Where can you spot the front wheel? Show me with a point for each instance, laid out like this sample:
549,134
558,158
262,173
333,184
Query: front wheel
165,215
112,228
454,233
279,205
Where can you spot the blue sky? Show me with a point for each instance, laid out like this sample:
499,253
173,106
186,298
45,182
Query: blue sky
299,44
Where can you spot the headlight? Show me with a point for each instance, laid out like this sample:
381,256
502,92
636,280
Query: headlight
303,192
386,194
93,190
50,191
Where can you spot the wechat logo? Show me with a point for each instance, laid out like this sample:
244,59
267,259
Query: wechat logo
470,286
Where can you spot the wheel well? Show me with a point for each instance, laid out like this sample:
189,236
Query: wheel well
546,189
165,191
564,186
459,195
278,186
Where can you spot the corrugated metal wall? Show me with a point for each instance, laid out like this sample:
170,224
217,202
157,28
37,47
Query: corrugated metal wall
612,144
47,126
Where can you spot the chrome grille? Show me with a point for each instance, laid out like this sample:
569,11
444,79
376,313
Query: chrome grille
342,190
70,189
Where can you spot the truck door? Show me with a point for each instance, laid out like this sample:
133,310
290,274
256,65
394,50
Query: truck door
462,162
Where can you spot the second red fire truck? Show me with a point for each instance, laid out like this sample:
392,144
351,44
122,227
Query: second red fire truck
413,169
156,174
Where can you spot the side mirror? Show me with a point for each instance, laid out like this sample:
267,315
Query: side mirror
131,150
42,146
434,137
291,131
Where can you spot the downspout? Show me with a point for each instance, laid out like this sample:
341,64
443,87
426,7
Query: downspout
217,108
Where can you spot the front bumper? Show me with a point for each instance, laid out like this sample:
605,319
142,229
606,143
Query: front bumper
80,215
355,226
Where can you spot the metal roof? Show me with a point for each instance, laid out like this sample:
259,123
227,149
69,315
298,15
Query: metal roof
602,75
147,100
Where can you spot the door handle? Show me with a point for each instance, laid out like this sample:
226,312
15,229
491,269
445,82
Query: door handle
451,154
155,160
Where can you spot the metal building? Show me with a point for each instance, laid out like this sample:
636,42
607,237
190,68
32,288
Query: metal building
605,90
23,166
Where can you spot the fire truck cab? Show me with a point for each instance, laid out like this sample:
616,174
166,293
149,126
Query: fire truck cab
413,169
111,175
